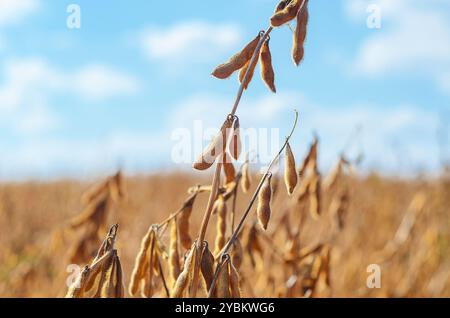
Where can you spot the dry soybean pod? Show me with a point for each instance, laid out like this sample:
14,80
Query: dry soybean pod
174,256
287,14
290,173
222,287
215,148
147,290
105,268
221,209
183,278
235,288
108,289
267,72
238,61
207,265
96,272
183,222
298,49
263,208
140,262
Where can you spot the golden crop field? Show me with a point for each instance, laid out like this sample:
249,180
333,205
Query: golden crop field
37,239
232,227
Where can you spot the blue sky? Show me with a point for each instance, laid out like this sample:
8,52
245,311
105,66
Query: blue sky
79,102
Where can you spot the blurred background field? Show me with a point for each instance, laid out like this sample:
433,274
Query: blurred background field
36,238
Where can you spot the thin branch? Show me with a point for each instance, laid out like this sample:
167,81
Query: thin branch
247,73
204,226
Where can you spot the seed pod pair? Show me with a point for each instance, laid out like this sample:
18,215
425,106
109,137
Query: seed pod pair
215,148
298,50
238,61
288,13
263,208
183,221
267,72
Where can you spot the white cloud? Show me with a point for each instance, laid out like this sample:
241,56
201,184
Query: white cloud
30,84
99,82
415,36
189,42
14,11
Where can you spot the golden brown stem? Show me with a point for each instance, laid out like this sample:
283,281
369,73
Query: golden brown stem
204,226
